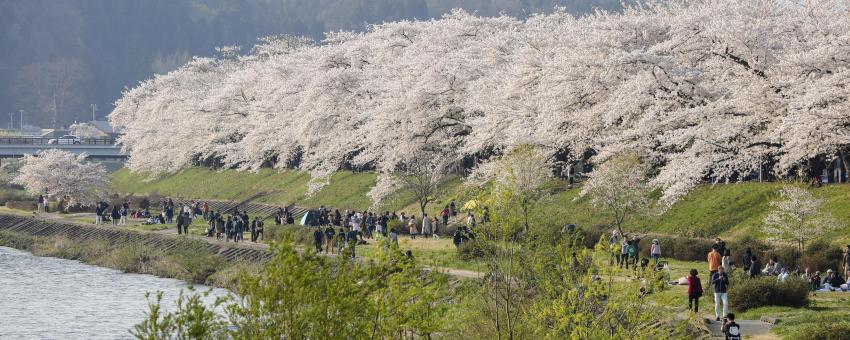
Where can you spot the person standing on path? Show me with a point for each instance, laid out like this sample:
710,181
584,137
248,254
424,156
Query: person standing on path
40,203
351,239
714,261
445,215
731,329
180,224
624,253
694,291
453,208
721,285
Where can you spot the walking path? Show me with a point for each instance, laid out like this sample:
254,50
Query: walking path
749,328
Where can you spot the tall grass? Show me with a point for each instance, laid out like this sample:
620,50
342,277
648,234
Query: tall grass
189,260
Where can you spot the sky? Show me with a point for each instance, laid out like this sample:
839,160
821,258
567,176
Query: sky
61,56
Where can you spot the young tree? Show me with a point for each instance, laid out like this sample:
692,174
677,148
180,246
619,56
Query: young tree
798,217
420,177
61,174
618,187
518,179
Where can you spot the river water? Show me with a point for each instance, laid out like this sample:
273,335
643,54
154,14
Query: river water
50,298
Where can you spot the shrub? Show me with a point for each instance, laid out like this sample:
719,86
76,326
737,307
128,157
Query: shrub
472,250
832,330
139,202
821,255
680,248
821,325
298,234
7,195
21,205
747,293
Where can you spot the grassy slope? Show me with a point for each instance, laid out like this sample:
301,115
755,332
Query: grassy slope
724,209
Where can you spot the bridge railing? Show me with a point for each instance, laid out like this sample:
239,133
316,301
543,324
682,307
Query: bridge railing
46,141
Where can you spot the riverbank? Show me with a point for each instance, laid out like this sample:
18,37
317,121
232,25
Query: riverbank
168,256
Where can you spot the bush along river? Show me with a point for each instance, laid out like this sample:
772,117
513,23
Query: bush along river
52,298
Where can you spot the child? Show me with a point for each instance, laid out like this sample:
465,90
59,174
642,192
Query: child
694,291
731,330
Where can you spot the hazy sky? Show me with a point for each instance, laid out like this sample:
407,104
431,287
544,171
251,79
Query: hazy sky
95,48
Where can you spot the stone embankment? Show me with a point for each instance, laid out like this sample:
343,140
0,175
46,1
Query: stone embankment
43,228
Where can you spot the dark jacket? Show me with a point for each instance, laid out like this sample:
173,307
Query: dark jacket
720,283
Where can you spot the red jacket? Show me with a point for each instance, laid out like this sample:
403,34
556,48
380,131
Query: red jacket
694,285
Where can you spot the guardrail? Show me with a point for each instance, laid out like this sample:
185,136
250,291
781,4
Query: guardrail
46,141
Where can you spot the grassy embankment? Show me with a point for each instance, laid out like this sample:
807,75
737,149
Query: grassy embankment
189,260
727,210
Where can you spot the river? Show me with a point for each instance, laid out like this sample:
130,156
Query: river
50,298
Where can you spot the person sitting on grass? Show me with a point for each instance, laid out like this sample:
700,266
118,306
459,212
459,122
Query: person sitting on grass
731,329
815,280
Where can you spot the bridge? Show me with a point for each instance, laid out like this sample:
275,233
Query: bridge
94,147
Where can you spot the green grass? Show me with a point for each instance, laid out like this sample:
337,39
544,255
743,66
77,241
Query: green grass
727,210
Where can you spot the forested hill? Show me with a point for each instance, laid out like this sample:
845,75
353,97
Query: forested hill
102,46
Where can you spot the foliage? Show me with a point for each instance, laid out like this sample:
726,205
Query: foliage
798,217
304,295
518,179
619,189
746,293
831,329
61,174
474,250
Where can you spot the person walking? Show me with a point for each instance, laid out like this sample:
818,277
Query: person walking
329,239
40,203
694,291
655,250
340,241
452,208
219,228
351,239
445,214
633,255
318,239
721,285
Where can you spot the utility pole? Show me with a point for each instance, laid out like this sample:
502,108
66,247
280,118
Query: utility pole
22,119
93,109
11,116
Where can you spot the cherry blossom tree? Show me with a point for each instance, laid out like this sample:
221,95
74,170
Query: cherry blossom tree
798,217
707,91
61,174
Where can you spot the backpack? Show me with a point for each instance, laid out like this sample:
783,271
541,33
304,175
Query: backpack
733,332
